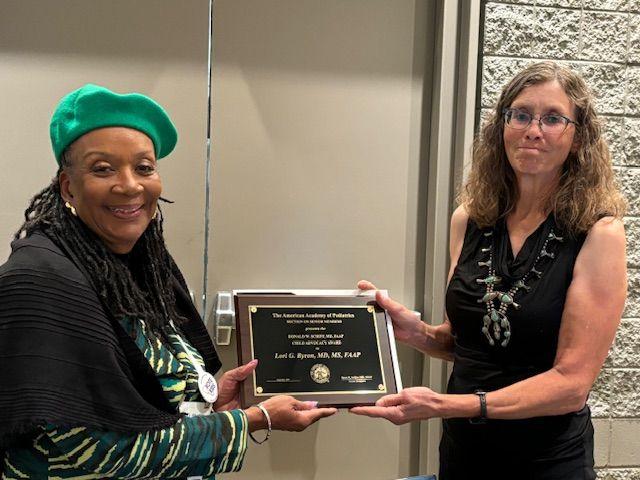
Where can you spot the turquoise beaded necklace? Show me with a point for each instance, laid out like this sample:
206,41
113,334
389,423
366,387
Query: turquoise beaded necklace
496,326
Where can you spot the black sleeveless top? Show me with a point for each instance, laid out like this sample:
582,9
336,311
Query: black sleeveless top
534,332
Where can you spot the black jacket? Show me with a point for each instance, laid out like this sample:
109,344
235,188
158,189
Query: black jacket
64,361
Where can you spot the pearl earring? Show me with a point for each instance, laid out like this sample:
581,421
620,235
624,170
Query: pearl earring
71,208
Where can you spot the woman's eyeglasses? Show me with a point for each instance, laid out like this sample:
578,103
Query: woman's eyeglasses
552,123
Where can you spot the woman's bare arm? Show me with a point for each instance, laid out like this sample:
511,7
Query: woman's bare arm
592,312
594,305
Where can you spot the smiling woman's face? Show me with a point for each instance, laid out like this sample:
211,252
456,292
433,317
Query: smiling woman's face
113,184
532,151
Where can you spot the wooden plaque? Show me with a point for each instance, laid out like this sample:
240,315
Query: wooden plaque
338,350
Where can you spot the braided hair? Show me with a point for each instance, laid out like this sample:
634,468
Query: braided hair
139,286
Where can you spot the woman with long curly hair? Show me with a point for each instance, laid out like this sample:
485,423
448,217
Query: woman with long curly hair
537,285
107,368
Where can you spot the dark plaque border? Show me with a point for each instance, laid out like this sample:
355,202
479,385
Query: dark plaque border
343,399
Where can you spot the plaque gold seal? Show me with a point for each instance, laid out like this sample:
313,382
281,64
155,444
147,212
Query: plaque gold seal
320,373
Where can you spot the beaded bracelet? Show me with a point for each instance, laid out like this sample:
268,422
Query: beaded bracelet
266,415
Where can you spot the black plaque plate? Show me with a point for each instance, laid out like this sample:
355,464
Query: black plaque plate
331,349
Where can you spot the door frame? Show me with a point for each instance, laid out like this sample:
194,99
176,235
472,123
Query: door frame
452,124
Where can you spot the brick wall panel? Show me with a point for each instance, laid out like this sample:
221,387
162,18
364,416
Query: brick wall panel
632,141
560,3
625,401
604,36
619,474
629,180
508,29
557,33
634,38
608,83
632,307
615,5
625,442
632,229
633,91
485,115
496,72
601,440
601,40
600,395
613,130
625,350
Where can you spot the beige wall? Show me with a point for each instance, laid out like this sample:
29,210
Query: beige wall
317,140
318,155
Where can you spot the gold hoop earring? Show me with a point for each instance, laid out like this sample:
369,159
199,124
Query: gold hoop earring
71,208
155,214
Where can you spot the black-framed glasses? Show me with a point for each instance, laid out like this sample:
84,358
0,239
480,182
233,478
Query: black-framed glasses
552,123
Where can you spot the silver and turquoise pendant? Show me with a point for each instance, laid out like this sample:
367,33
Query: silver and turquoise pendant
496,326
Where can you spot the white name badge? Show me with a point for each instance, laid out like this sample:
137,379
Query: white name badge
208,387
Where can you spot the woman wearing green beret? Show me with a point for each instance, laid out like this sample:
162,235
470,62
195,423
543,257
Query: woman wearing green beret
107,368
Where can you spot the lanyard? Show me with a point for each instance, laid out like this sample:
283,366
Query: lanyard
207,384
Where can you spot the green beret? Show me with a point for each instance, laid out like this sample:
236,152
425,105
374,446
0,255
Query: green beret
91,107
